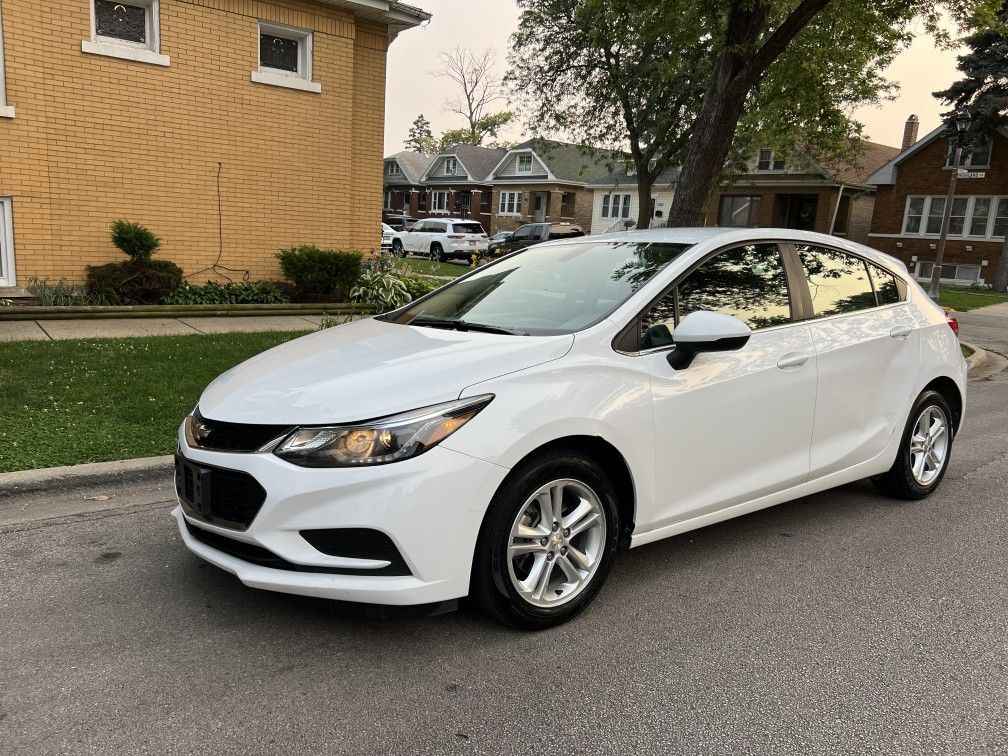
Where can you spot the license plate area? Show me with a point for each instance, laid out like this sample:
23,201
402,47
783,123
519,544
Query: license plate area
194,485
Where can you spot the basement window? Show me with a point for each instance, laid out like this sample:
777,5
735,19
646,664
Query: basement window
127,30
285,58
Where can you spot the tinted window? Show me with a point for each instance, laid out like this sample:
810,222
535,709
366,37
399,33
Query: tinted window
886,290
838,282
467,228
524,232
548,289
748,282
436,228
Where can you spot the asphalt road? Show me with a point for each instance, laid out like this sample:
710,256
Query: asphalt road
840,623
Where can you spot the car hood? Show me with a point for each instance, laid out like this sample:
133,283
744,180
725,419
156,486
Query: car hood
368,369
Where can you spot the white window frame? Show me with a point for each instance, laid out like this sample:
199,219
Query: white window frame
436,202
388,200
518,163
919,272
773,162
113,47
277,77
967,157
512,199
7,272
988,234
6,111
450,167
613,204
393,169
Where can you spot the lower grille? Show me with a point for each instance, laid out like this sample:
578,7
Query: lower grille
358,543
253,554
228,498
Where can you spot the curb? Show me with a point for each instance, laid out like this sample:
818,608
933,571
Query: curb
178,311
93,474
977,360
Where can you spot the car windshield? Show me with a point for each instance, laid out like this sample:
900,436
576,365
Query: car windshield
547,289
467,228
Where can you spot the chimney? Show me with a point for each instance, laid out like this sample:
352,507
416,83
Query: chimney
910,131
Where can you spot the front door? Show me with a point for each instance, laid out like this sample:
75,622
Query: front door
539,207
6,243
797,211
733,426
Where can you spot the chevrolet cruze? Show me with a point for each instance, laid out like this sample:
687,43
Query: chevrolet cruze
507,435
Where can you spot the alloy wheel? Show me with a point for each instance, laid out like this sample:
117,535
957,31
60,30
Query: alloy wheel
556,543
929,445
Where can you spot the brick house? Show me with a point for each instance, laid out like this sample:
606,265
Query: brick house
259,123
541,180
911,191
455,183
797,191
401,184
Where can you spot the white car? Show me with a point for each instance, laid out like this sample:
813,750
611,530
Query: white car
387,234
441,239
506,435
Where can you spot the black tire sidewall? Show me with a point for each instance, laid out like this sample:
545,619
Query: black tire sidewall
491,563
901,474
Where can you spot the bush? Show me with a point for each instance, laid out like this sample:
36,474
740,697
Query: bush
380,289
64,294
134,281
320,275
137,242
418,286
214,292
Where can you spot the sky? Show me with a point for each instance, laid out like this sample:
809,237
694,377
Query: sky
479,24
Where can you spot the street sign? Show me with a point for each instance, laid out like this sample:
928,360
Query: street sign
965,174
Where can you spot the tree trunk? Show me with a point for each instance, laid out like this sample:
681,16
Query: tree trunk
644,183
1001,273
708,146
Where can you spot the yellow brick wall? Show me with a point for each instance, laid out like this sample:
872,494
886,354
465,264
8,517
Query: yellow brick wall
97,138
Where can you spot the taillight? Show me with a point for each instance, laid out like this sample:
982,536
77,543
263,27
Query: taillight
953,324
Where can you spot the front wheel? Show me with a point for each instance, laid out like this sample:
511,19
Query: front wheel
547,543
924,451
397,248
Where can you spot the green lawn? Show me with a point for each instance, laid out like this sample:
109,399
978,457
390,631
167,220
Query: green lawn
963,300
431,268
68,402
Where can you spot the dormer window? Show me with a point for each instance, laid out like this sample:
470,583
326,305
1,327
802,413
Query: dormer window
978,158
393,169
769,161
524,164
450,166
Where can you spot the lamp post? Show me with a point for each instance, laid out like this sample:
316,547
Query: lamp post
962,123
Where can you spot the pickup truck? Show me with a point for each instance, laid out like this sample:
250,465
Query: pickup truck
441,239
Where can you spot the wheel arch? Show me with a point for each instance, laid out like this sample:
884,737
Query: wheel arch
949,390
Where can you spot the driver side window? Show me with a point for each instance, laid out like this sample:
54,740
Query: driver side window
748,282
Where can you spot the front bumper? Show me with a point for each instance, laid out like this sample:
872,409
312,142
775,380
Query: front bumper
431,507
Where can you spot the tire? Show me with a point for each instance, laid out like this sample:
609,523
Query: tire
497,574
397,248
437,253
904,480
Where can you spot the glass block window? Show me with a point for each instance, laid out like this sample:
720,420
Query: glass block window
278,52
121,21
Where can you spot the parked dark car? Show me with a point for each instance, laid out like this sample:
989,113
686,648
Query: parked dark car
400,222
533,233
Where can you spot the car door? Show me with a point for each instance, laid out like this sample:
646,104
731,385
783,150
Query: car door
521,238
733,426
867,350
410,238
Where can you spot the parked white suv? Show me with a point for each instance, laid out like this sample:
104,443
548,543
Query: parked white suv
441,239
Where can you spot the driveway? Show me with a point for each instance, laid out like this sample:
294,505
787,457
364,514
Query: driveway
841,623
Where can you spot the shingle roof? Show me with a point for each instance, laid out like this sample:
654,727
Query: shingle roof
571,162
622,178
873,157
412,164
479,161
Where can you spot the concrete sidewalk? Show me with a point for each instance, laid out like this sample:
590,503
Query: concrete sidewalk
56,330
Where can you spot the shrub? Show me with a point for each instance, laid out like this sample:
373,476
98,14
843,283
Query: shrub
215,292
320,275
134,281
64,294
418,286
137,242
385,291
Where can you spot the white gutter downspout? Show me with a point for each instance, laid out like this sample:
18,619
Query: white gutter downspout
836,208
6,111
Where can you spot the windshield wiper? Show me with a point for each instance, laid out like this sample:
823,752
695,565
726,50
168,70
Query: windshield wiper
462,325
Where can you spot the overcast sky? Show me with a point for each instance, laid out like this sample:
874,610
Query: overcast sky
479,24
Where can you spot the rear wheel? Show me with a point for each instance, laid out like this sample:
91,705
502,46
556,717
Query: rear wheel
397,248
437,253
547,543
924,451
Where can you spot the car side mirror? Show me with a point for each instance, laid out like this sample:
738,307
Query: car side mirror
705,331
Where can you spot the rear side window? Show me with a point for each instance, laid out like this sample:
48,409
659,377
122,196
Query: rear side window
436,228
467,228
838,282
886,289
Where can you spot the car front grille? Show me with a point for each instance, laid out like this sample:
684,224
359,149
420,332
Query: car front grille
217,435
248,552
228,498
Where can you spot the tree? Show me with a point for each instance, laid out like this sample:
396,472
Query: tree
983,93
734,72
480,88
420,138
487,127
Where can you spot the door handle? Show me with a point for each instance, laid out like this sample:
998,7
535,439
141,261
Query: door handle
792,360
900,332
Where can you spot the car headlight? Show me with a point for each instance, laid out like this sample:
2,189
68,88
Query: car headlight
389,439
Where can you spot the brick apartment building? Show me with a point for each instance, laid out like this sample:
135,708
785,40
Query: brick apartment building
911,191
150,110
